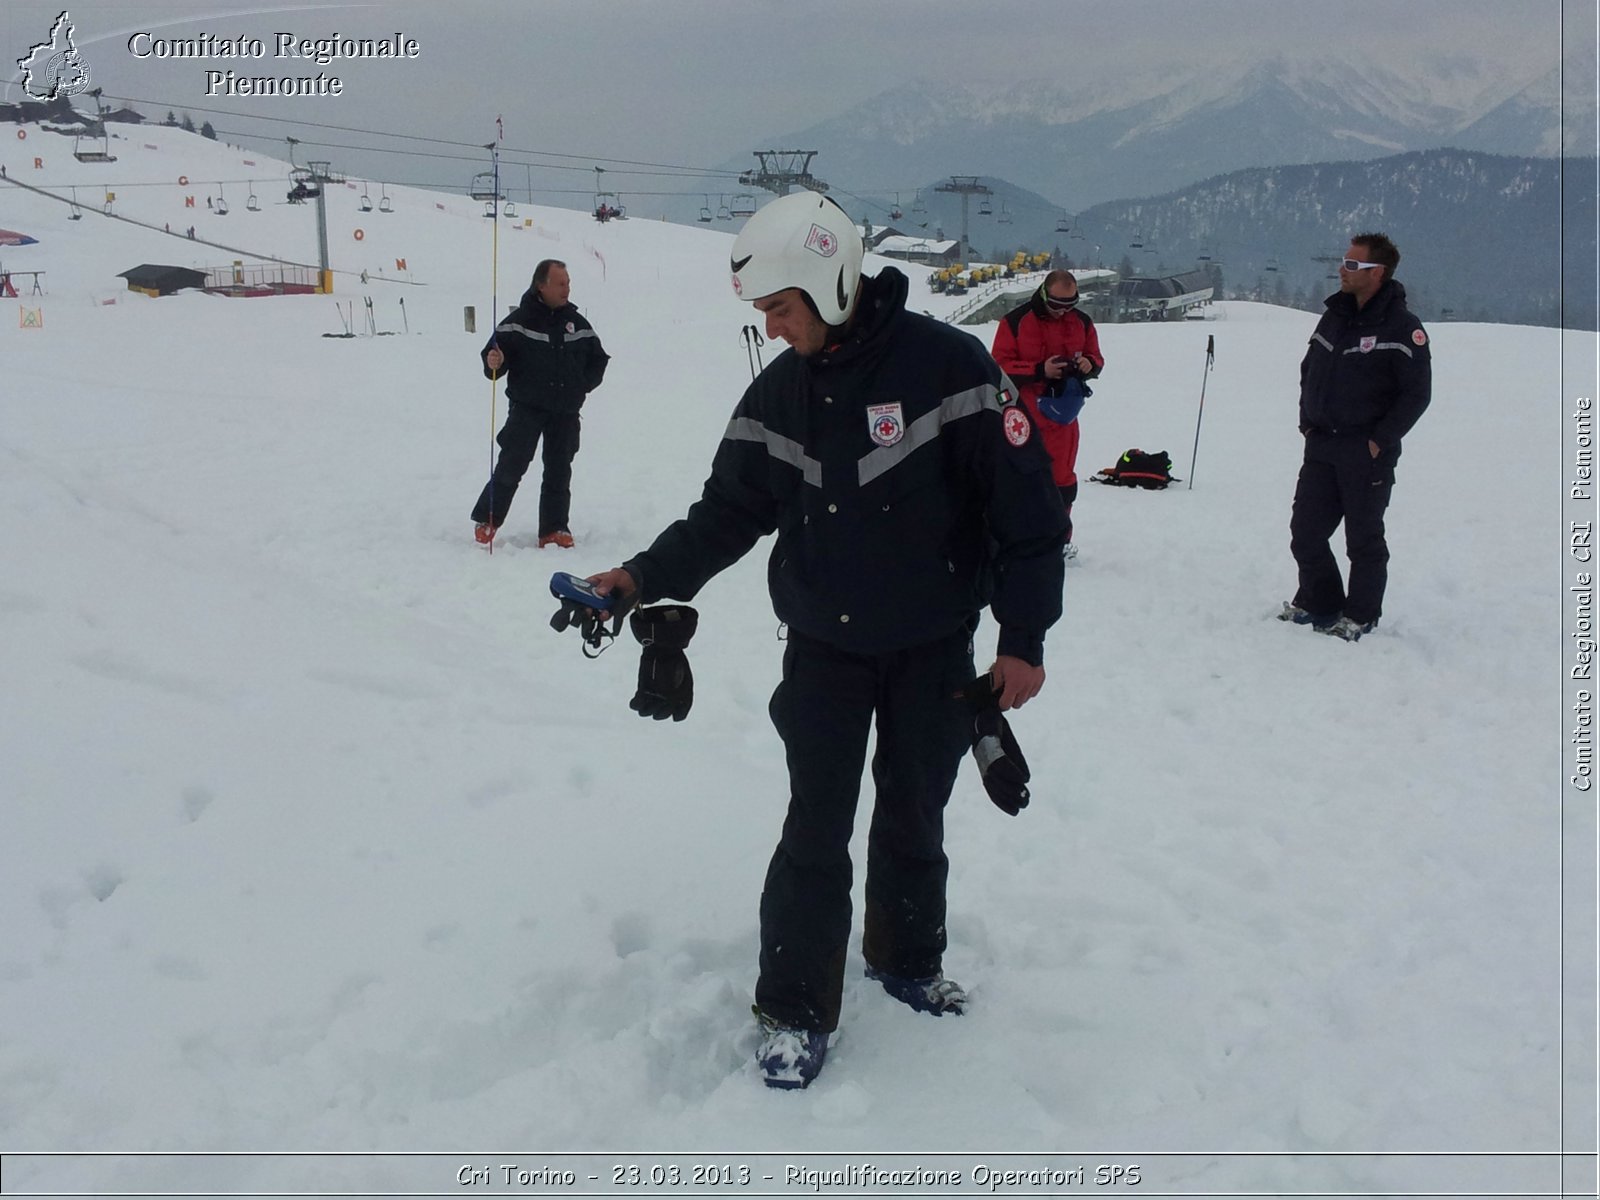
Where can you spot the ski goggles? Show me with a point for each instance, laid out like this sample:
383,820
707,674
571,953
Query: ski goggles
1056,304
1355,264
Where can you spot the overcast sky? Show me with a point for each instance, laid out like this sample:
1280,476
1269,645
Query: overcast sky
696,81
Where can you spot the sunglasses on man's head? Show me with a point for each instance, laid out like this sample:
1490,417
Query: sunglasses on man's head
1060,305
1355,264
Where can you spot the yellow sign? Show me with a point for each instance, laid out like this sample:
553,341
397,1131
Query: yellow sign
32,318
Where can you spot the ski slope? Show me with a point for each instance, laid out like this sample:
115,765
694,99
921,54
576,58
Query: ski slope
318,838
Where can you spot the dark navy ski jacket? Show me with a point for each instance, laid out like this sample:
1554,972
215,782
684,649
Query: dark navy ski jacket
1367,371
553,355
906,488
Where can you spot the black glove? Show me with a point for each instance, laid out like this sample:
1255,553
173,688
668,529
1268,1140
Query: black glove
666,685
1000,762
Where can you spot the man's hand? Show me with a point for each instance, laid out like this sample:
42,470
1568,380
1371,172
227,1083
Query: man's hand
494,360
619,581
1374,448
1055,367
1085,364
1017,681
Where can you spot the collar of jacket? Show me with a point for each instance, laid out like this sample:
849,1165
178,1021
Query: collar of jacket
882,300
1390,291
531,303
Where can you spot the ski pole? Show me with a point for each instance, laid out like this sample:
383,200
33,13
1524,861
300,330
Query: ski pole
494,316
749,350
1211,354
760,342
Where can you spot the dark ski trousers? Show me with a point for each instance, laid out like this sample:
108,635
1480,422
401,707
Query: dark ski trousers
1341,481
1068,495
525,425
823,709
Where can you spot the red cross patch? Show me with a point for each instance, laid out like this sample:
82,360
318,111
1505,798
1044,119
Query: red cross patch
1018,428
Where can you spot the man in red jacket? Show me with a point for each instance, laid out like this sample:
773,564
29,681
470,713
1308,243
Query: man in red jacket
1040,345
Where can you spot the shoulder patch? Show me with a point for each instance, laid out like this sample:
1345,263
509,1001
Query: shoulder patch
1018,428
1419,337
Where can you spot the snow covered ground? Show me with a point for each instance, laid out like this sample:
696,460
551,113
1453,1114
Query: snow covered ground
317,838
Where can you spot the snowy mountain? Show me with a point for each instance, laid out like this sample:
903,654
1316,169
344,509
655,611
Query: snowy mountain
317,838
1449,211
1109,132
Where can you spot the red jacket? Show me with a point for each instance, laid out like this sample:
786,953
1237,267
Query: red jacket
1028,335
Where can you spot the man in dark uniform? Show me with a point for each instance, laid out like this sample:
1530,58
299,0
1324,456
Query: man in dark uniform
908,491
1366,378
553,359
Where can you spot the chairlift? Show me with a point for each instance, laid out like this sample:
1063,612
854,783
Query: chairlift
93,148
77,213
384,203
1272,265
253,204
1137,243
366,200
724,213
919,209
510,209
490,208
483,187
705,217
221,205
895,211
1005,214
985,208
1063,225
744,205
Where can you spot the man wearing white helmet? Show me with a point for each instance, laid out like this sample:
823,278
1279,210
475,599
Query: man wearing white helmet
908,491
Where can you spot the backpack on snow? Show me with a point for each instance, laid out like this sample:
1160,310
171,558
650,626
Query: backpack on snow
1136,468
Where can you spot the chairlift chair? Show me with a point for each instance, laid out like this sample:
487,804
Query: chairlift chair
1063,225
253,204
366,200
510,209
985,209
483,187
724,213
705,212
744,205
1272,265
221,205
1005,214
384,203
895,211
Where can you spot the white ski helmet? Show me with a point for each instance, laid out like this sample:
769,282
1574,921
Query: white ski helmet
803,240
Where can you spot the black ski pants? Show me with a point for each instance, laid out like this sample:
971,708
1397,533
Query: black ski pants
824,709
524,426
1341,481
1068,495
